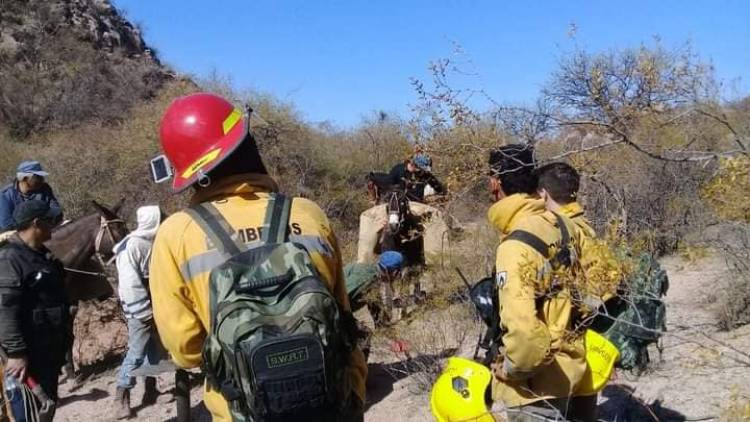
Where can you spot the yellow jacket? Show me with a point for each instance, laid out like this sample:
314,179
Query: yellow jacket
181,263
597,259
574,211
541,357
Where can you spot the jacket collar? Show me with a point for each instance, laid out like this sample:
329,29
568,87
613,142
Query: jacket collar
16,240
571,210
505,214
235,185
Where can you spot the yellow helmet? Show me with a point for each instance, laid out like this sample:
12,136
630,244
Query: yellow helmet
601,356
459,392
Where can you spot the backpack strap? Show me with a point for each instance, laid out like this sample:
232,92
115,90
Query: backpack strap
565,234
531,240
277,219
562,258
216,228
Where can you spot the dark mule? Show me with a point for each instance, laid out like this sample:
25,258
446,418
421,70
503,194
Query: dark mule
403,232
84,246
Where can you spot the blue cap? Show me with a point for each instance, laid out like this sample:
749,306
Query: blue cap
391,261
32,167
422,161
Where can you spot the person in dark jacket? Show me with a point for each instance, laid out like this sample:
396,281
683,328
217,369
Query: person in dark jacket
360,277
29,184
35,323
415,175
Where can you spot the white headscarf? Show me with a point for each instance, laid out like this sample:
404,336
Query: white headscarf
148,218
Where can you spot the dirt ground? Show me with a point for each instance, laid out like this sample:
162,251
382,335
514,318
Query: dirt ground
700,373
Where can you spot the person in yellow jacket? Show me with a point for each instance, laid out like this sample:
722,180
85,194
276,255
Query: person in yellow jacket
210,148
558,187
543,358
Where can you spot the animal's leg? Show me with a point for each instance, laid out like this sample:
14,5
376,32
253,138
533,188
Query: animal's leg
419,294
69,368
386,295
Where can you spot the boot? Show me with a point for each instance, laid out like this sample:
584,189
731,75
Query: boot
122,403
150,392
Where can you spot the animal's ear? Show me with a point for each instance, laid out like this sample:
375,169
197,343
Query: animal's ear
98,206
101,209
118,206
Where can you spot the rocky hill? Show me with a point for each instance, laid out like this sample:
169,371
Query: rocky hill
64,62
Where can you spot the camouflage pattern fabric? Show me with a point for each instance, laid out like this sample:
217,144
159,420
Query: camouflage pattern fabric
359,277
277,345
639,313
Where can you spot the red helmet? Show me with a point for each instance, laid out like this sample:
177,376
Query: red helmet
198,132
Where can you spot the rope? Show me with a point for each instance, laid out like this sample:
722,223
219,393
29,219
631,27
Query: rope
73,270
103,228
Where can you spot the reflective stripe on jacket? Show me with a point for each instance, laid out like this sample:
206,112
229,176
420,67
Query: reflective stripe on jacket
181,262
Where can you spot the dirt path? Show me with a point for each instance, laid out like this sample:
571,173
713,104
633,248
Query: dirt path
696,378
700,369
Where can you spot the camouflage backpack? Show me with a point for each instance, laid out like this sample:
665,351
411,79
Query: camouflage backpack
277,347
637,317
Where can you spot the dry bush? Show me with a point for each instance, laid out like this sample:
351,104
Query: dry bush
102,162
649,197
734,300
728,190
460,161
644,126
318,161
640,124
726,195
738,408
56,77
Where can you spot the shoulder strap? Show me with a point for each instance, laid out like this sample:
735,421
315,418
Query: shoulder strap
529,239
565,235
563,255
216,228
277,219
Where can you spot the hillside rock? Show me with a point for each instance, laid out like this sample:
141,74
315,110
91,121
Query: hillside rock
63,62
94,21
100,332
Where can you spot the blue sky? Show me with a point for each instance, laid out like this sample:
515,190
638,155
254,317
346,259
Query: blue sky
338,61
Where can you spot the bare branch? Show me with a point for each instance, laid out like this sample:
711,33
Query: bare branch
723,120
